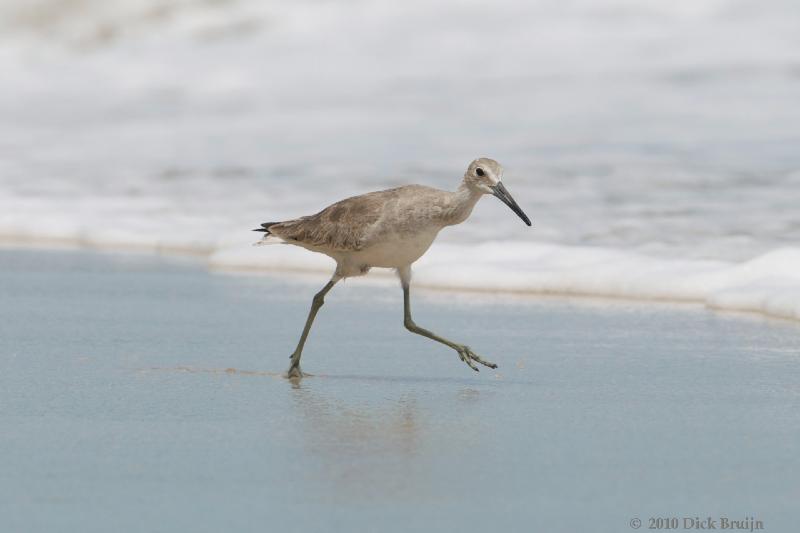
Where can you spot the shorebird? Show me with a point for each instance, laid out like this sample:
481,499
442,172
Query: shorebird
389,229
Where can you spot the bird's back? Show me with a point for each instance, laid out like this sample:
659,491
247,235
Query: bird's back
358,222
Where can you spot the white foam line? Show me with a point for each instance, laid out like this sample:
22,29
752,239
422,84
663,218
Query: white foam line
768,284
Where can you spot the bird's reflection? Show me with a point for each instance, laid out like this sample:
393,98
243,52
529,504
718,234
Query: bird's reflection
365,452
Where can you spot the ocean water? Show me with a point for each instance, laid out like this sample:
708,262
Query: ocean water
143,394
655,145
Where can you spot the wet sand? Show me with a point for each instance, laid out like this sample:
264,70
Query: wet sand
144,394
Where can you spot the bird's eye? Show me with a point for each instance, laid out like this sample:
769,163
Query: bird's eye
479,171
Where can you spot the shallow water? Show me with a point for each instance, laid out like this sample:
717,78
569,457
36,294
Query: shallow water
142,394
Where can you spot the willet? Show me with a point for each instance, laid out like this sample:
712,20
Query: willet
389,229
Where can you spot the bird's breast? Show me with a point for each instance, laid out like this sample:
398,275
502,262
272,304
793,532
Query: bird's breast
395,251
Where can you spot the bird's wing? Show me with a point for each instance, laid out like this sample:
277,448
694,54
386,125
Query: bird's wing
344,226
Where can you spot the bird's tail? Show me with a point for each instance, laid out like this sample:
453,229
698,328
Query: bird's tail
265,227
268,237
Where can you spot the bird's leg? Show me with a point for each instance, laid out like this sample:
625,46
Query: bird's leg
316,303
464,352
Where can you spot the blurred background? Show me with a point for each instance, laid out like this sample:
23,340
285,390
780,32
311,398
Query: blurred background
671,129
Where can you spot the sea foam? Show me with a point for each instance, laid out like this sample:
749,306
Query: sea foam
769,284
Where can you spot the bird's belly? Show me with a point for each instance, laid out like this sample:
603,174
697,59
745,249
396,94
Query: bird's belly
395,252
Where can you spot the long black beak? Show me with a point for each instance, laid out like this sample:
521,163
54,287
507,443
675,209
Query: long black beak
501,192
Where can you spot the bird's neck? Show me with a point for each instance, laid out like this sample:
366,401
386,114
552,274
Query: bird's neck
461,203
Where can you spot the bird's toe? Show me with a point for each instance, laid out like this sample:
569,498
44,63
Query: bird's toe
478,359
465,354
294,372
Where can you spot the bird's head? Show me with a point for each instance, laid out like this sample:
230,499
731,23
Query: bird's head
484,175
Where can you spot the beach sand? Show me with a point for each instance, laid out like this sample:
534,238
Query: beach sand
140,393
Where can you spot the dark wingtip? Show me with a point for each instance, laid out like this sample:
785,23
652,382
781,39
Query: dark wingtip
265,227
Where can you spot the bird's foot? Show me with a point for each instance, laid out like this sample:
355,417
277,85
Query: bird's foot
470,357
294,372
